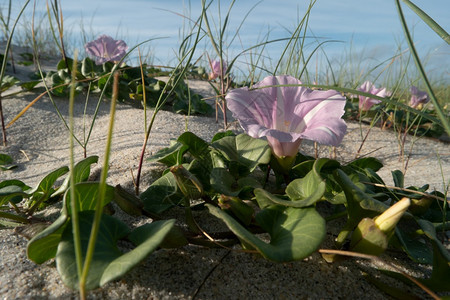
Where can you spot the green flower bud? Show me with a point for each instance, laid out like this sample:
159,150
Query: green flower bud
238,207
372,235
386,221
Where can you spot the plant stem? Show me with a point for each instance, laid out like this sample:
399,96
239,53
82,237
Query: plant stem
73,204
13,217
161,102
3,122
102,187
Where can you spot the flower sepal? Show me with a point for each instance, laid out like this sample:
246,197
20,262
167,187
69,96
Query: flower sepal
368,238
282,165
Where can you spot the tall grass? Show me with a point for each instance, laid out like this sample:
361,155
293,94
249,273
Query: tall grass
10,34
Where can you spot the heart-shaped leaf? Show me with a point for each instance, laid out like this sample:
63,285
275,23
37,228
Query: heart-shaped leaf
46,184
148,237
367,163
43,246
197,146
86,194
161,195
309,189
169,155
222,134
106,249
245,150
81,172
108,262
295,233
11,192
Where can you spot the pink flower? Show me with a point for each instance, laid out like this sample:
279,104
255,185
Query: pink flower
418,97
105,49
365,103
216,70
287,114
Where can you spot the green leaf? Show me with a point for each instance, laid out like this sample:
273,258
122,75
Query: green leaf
81,172
169,155
29,85
398,178
367,163
5,162
309,189
223,182
108,262
238,208
12,193
5,159
161,195
222,134
62,64
197,146
414,246
441,260
148,237
86,194
174,239
244,150
8,82
43,246
295,233
87,67
46,184
111,230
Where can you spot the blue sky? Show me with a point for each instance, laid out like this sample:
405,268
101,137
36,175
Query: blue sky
363,24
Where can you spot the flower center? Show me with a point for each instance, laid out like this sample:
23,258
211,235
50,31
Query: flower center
287,124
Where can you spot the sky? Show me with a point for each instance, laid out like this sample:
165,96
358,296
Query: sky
362,25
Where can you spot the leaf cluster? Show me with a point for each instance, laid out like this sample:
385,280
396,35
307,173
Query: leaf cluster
132,87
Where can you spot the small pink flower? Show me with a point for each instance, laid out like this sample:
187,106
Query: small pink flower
105,49
365,103
216,70
418,97
288,114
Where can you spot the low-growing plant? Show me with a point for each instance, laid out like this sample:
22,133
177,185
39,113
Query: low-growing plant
273,200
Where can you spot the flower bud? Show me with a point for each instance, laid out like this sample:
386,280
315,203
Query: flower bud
372,235
386,221
238,207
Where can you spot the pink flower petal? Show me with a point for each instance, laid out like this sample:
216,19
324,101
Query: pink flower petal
365,103
287,114
105,49
418,97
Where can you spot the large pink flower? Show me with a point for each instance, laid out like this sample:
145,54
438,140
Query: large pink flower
288,114
365,103
216,70
418,97
105,49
